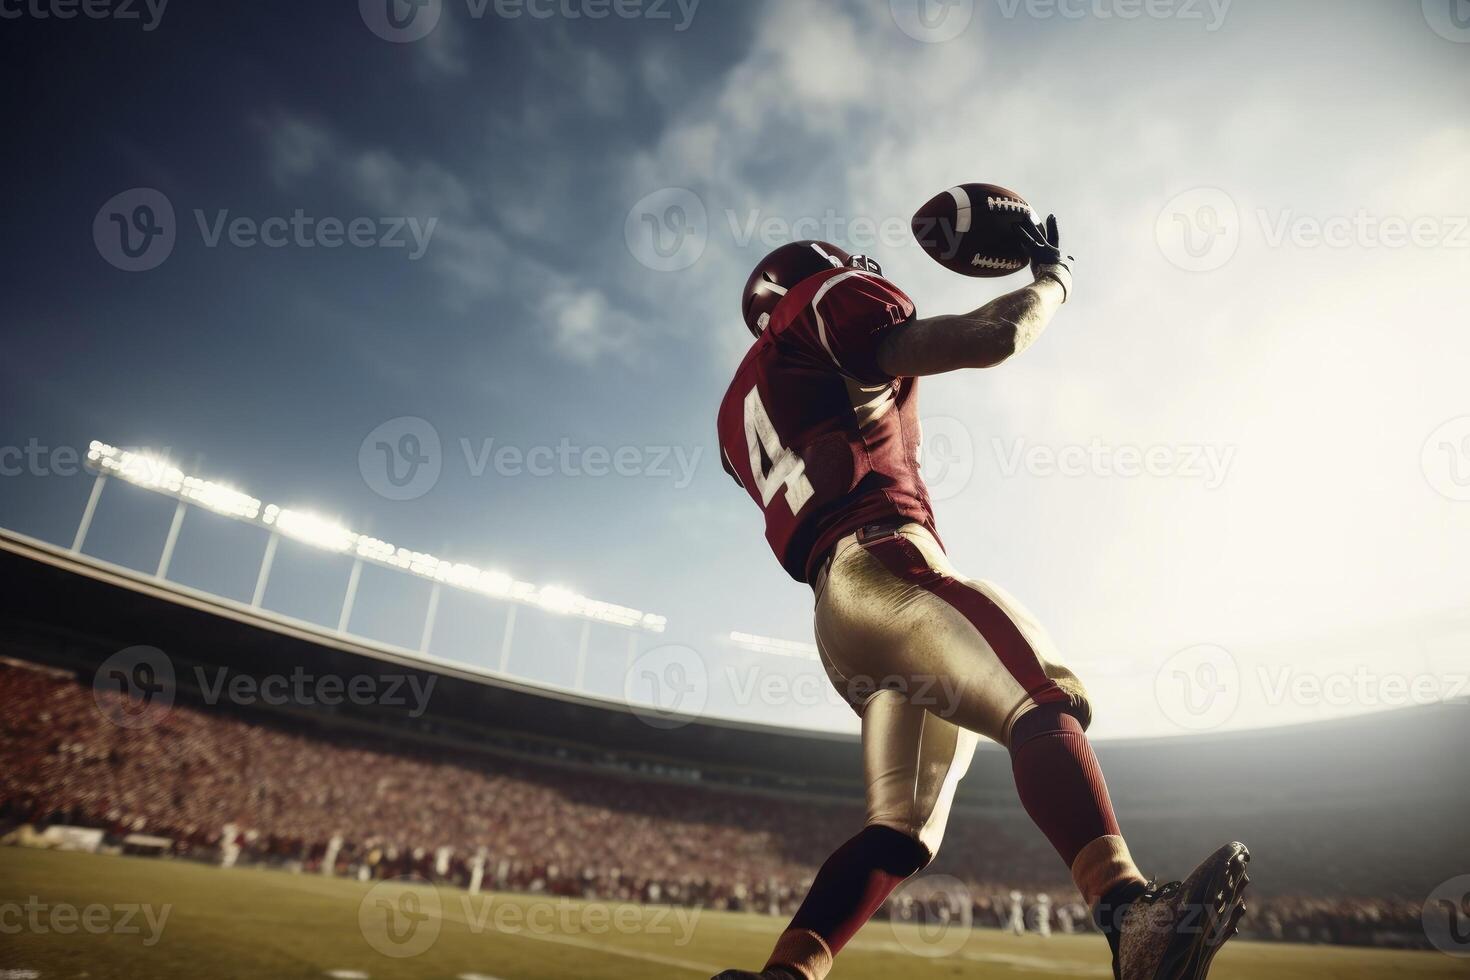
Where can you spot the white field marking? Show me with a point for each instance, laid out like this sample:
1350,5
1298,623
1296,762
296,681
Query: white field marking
477,976
348,974
1025,964
19,974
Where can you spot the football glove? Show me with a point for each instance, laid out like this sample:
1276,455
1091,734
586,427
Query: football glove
1043,245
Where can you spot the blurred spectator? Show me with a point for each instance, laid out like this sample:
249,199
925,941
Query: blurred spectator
231,790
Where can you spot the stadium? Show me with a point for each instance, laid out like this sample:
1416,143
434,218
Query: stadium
226,764
735,489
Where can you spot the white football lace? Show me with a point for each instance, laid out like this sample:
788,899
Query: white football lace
987,262
1006,204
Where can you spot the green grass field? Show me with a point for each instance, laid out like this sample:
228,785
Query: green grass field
82,915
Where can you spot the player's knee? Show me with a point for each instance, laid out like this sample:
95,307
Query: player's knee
1063,692
921,827
901,850
1054,716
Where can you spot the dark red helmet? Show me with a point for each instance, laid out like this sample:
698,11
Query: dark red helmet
784,268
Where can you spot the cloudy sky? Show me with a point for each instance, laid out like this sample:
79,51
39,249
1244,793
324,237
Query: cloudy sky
1238,462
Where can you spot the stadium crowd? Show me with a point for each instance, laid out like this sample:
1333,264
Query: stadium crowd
224,787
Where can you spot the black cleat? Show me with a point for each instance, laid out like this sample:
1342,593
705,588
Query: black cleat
1172,932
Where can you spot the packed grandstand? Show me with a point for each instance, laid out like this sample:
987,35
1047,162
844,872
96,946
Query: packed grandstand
518,789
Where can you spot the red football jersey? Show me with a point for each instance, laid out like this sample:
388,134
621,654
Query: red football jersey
820,437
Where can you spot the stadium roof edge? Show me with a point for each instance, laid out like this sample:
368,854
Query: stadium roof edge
106,573
57,556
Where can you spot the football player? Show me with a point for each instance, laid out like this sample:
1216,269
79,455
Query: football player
821,428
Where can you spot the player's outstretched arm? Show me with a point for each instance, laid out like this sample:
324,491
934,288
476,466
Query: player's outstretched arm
996,331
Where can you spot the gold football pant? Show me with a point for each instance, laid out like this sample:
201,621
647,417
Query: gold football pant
929,660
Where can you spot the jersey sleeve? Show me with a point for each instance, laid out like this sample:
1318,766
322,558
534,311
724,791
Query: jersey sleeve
853,313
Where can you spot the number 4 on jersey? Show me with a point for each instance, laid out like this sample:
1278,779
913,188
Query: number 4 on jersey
785,467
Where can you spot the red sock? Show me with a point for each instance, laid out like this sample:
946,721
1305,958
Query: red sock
1059,780
855,881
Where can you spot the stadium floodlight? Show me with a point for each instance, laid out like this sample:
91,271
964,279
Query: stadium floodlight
219,498
154,473
773,646
319,532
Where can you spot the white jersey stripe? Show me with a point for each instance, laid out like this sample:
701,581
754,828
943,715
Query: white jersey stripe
817,312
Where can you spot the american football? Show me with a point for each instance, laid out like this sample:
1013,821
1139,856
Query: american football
515,491
972,229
